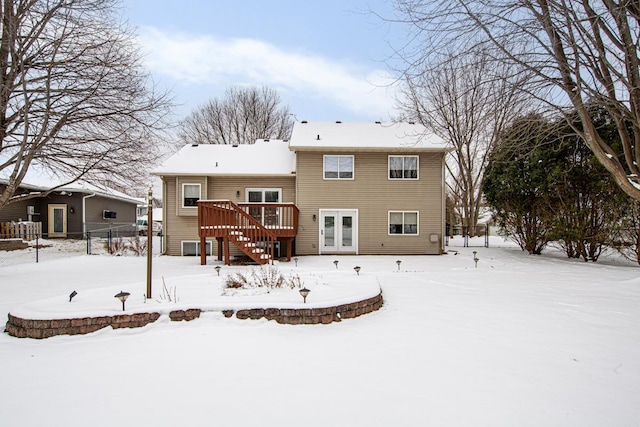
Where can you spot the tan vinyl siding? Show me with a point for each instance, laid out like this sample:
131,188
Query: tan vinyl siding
373,195
181,224
227,187
177,227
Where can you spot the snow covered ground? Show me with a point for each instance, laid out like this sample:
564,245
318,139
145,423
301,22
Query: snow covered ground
518,341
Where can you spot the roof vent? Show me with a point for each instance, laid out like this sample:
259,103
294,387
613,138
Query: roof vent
338,121
265,140
304,121
318,138
412,123
235,145
378,122
194,145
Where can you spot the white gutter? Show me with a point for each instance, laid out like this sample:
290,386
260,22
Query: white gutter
84,213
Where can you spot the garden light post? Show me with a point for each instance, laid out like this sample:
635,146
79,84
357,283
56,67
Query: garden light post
475,258
398,262
217,268
296,261
335,263
122,296
357,269
149,240
304,292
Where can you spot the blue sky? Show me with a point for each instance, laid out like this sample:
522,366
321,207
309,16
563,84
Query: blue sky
325,58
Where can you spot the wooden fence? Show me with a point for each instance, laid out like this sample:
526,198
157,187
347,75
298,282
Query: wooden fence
20,230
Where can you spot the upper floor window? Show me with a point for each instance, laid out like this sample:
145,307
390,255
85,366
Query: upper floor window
190,195
338,167
403,167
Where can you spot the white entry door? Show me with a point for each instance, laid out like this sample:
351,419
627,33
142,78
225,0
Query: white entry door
338,231
57,220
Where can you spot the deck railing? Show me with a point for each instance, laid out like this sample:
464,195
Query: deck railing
216,217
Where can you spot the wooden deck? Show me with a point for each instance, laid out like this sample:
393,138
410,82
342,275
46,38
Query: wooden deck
252,227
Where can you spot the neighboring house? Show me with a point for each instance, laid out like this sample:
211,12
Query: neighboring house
73,209
334,188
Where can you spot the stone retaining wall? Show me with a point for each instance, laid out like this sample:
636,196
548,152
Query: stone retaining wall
26,328
311,316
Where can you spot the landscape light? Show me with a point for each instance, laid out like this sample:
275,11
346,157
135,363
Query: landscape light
398,262
304,292
296,261
336,263
122,296
357,269
217,268
71,295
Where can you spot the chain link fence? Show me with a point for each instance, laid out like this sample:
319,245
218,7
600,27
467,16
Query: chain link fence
96,242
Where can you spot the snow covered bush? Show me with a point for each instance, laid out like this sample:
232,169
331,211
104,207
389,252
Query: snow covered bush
116,246
138,246
265,278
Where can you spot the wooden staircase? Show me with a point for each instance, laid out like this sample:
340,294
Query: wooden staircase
229,223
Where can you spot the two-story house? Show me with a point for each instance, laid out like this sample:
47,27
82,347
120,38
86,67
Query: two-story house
333,188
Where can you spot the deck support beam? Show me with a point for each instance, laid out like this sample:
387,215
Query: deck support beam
203,250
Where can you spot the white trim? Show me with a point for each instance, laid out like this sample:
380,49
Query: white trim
403,157
353,167
355,227
197,243
182,194
389,233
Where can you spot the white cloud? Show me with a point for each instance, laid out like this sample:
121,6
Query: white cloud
205,61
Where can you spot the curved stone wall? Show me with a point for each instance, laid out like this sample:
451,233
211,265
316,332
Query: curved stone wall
27,328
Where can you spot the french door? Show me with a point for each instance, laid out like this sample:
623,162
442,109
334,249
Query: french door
338,231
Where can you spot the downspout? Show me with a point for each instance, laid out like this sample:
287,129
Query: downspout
163,250
84,213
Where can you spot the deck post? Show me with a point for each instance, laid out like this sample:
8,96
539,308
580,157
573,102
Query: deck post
203,251
227,255
289,244
219,239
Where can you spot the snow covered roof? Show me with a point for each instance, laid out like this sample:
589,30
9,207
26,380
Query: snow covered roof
39,178
265,157
370,136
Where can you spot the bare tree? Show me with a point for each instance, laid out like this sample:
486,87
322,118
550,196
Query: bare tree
73,94
467,100
240,117
580,53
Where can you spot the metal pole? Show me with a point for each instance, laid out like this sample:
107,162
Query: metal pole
149,239
37,247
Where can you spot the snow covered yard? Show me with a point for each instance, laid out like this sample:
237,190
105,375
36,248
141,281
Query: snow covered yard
519,340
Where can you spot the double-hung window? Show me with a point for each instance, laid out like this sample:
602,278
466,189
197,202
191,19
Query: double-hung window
403,223
403,167
190,195
338,167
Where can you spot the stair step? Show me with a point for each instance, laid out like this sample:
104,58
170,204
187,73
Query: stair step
257,250
250,245
236,233
265,256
